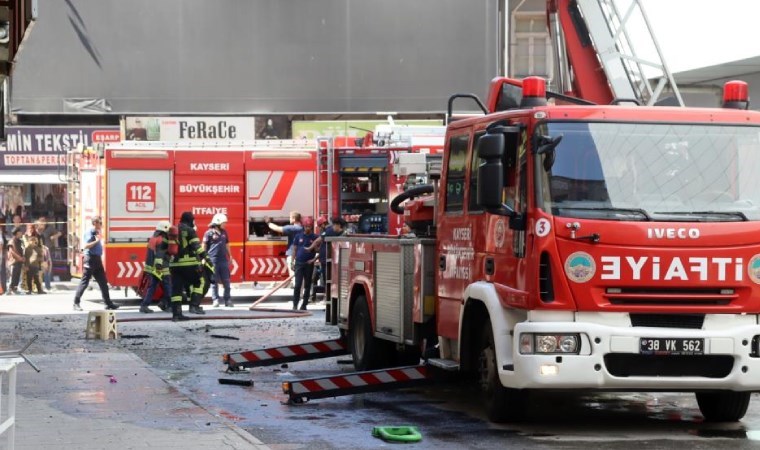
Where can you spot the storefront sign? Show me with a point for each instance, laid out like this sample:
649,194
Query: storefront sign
32,147
189,129
353,128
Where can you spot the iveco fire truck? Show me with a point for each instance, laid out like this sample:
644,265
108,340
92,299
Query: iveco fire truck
565,246
575,247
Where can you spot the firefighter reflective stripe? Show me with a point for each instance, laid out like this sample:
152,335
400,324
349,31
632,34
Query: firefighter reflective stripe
374,380
187,262
200,287
157,273
289,353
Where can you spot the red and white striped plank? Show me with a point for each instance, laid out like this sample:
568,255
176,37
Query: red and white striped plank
288,353
376,380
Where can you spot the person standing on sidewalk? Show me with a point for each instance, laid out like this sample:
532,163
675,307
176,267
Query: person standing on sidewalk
303,262
186,267
15,259
33,256
157,265
4,265
216,243
48,240
93,265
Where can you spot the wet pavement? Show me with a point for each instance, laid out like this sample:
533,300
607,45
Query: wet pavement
167,393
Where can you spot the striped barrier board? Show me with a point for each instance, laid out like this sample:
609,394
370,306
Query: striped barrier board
277,355
357,382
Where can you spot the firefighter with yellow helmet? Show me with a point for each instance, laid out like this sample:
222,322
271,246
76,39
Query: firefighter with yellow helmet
157,265
216,243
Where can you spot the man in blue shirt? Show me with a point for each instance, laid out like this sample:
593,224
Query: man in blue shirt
303,258
336,228
290,231
93,265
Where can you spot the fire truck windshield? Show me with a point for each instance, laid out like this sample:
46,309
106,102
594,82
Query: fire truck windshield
646,171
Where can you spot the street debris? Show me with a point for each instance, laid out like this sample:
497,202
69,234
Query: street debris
221,336
235,382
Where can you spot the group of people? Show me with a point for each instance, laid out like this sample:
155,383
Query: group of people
307,253
28,257
177,260
185,267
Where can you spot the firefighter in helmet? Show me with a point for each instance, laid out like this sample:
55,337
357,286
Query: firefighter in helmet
216,243
187,267
157,265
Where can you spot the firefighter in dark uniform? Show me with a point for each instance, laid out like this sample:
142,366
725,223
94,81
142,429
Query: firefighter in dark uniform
186,269
157,266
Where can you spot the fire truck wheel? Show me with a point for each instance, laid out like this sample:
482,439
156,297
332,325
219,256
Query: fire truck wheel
501,404
723,406
367,351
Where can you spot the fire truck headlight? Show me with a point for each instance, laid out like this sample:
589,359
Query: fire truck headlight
568,344
546,344
526,343
549,343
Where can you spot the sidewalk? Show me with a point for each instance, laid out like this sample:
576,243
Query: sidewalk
75,404
61,299
94,394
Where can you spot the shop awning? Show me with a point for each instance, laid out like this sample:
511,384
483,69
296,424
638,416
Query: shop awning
32,177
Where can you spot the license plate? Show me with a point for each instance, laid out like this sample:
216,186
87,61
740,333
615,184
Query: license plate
671,346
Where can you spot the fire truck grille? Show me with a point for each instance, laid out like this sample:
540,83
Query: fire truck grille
693,321
634,365
671,297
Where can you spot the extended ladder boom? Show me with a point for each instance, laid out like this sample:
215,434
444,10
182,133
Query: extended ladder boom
595,56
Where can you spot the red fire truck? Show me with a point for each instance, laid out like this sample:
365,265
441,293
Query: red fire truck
133,185
565,246
358,177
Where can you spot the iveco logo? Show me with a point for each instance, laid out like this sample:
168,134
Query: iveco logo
673,233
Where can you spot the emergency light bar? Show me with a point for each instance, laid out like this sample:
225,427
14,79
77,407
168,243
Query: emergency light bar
736,95
533,92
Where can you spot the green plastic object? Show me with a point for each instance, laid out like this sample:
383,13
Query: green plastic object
397,434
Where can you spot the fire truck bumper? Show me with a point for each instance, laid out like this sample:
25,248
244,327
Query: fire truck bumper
723,354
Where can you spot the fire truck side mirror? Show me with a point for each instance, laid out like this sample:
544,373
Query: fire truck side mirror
491,171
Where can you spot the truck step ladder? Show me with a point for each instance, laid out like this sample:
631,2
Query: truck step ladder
325,165
630,76
298,391
289,353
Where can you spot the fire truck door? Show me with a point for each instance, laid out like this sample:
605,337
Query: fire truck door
87,206
455,234
137,200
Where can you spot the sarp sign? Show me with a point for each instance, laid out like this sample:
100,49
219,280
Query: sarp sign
31,147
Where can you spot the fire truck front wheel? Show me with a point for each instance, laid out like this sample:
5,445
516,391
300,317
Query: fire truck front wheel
369,353
723,406
501,404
